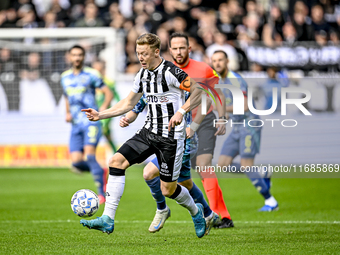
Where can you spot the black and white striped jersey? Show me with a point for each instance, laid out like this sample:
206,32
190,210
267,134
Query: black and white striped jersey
161,87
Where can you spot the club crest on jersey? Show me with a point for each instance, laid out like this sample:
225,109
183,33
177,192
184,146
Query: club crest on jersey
83,80
177,71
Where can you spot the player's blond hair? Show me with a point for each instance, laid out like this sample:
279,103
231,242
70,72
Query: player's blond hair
150,39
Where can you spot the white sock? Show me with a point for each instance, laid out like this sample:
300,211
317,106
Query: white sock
185,200
114,191
271,201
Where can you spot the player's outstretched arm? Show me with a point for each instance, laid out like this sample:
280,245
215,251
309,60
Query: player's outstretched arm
118,109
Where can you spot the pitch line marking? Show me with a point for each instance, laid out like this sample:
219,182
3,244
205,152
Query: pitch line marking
172,222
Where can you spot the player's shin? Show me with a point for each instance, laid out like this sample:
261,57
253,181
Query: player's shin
259,183
114,191
198,197
210,184
214,193
183,198
97,173
155,189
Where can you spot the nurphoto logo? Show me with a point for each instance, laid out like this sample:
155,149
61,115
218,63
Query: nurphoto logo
238,105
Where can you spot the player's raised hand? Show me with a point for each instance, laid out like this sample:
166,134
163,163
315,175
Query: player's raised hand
124,122
91,114
175,120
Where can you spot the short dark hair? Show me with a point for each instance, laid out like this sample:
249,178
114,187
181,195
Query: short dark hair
176,34
221,51
77,46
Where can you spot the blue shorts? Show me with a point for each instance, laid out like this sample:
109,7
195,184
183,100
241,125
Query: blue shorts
243,141
85,135
184,173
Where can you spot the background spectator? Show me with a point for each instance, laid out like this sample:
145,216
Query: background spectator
232,25
221,44
90,18
318,21
9,77
301,22
32,70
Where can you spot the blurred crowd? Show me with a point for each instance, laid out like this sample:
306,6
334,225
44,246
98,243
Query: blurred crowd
230,25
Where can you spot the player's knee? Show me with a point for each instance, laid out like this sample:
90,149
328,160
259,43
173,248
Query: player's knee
147,175
168,191
76,157
113,161
150,172
118,161
187,183
225,160
203,160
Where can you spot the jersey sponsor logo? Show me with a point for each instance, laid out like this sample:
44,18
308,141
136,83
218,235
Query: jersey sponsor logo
145,80
177,71
68,82
157,99
70,91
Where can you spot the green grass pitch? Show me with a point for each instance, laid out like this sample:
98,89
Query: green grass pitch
36,218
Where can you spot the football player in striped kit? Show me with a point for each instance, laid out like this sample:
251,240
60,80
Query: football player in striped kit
151,170
163,134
